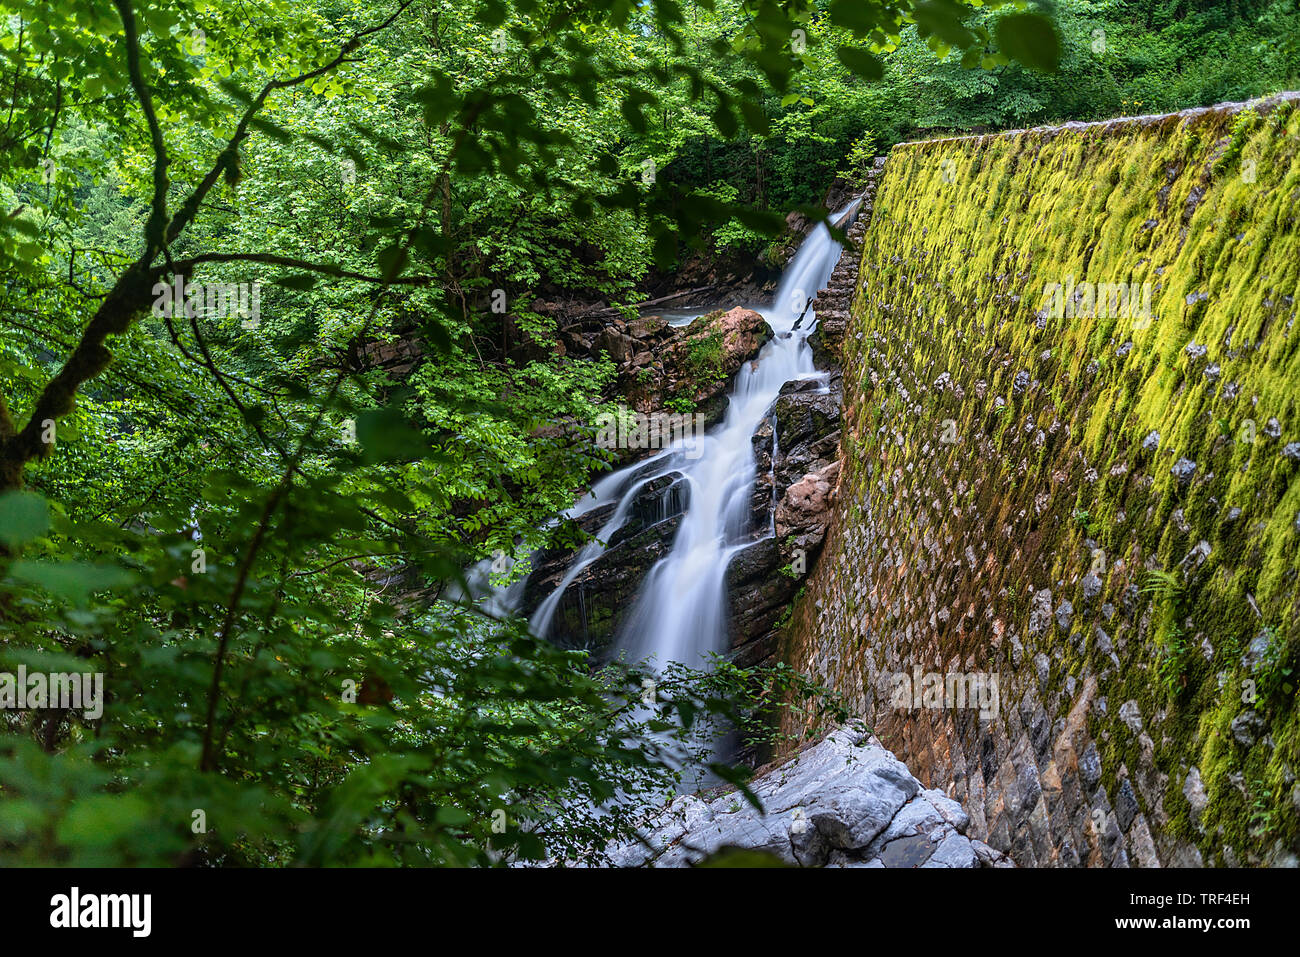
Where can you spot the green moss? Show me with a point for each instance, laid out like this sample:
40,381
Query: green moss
705,359
1205,211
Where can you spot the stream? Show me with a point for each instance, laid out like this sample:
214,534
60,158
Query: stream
681,610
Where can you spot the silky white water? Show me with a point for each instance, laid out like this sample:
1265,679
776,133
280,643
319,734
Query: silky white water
681,610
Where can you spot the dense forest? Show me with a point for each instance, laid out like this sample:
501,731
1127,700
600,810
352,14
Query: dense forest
216,216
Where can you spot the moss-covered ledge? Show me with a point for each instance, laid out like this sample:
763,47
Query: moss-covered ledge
1097,502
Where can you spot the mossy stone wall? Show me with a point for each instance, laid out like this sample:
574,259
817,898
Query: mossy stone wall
1101,510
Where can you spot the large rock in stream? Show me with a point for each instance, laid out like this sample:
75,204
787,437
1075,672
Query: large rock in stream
595,603
797,454
692,364
843,802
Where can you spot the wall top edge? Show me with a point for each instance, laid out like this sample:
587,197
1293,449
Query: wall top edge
1262,105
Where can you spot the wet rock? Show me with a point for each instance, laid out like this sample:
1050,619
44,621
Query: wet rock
693,363
759,593
597,601
1247,728
805,508
909,852
1064,615
1273,429
1131,716
1291,451
1151,442
649,327
1194,791
843,802
1195,350
807,424
1183,470
798,443
1092,586
618,346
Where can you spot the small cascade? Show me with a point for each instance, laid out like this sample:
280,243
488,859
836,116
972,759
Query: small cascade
681,611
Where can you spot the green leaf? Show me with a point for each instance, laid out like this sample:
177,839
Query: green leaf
74,581
386,435
300,281
23,517
861,62
859,17
451,816
943,19
392,260
351,802
1030,38
273,130
755,119
740,778
741,857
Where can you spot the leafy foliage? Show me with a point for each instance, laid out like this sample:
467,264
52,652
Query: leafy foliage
247,519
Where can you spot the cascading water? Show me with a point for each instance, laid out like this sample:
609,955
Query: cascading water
681,610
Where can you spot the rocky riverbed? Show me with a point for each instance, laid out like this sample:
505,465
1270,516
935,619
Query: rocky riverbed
843,802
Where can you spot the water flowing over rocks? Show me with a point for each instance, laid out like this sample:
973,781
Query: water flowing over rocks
843,802
794,455
798,452
596,601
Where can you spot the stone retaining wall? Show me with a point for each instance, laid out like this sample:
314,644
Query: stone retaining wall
1094,505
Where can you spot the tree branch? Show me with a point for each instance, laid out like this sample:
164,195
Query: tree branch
230,155
185,266
156,226
133,289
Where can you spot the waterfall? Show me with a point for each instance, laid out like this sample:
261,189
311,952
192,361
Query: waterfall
681,611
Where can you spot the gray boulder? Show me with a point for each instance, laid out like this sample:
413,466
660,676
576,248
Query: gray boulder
843,802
